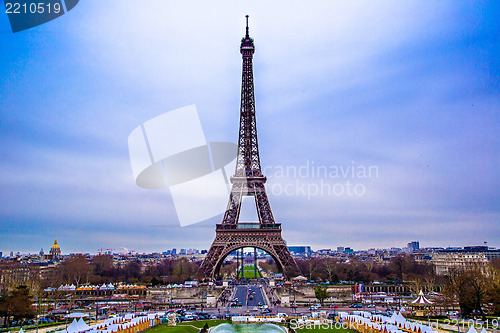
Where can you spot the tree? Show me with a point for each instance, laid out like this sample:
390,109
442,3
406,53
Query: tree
470,288
330,266
321,293
493,294
18,304
76,269
102,268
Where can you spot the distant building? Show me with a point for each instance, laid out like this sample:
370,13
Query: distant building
182,251
300,250
0,255
463,259
340,249
174,252
348,250
55,251
41,252
413,246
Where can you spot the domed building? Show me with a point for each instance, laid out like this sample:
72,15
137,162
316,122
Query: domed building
55,251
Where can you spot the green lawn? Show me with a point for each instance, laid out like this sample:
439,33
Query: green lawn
186,327
248,273
32,327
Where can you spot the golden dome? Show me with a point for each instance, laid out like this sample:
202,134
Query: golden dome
55,246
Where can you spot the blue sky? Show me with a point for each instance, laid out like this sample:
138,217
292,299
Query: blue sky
411,88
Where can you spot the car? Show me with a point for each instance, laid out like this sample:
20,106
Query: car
356,306
191,317
255,309
334,306
203,315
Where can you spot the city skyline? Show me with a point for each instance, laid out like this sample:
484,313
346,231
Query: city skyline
183,250
410,90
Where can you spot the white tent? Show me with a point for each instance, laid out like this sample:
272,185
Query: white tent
472,330
76,315
398,318
73,327
83,325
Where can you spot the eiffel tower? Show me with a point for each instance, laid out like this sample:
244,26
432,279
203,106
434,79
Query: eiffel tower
248,180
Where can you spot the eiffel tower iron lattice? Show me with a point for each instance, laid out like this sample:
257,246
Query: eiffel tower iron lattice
248,180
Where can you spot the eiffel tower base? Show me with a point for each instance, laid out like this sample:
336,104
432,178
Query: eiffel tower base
227,241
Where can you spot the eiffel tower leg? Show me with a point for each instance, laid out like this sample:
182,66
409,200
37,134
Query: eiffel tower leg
228,241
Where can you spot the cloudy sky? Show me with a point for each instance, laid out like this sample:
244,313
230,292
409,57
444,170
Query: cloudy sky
406,89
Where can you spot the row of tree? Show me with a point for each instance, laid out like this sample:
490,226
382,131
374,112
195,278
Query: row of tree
399,268
80,269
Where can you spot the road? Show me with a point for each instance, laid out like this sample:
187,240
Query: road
242,293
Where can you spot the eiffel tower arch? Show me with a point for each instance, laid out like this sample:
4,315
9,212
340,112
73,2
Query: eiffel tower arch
248,180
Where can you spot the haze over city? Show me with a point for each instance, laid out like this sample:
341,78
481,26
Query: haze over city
400,99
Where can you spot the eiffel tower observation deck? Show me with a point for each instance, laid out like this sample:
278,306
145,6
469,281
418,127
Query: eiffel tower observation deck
247,180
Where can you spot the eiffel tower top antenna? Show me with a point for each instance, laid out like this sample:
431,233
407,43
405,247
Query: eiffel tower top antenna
247,35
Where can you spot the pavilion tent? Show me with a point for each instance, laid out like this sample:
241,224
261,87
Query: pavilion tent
421,305
421,300
299,278
472,330
76,315
83,325
73,327
399,318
